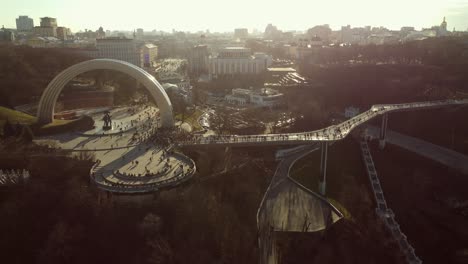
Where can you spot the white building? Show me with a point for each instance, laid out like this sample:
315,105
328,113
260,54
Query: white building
24,24
264,97
149,53
239,96
119,49
235,61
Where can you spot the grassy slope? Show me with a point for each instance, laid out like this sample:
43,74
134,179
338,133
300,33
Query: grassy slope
192,119
15,116
19,117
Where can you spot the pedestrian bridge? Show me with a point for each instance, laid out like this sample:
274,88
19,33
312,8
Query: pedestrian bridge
328,134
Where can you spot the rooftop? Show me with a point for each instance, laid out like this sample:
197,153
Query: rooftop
236,48
279,69
150,46
114,39
261,91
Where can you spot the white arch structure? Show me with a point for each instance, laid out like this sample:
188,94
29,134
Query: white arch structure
45,111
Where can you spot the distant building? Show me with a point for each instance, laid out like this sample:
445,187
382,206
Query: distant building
43,42
241,33
442,30
284,77
24,24
37,42
198,60
6,36
443,25
48,22
149,53
48,27
272,32
139,33
100,33
358,36
307,48
238,96
346,34
45,31
91,35
407,29
235,61
323,32
264,97
120,49
62,33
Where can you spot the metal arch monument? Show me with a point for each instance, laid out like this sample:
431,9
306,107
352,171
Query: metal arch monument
45,111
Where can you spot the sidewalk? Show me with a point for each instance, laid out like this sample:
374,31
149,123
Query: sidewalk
431,151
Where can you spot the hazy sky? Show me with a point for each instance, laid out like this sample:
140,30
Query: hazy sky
220,15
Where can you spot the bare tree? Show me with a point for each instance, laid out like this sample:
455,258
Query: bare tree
221,120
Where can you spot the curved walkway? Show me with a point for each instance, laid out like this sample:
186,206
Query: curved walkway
118,182
288,206
132,161
331,133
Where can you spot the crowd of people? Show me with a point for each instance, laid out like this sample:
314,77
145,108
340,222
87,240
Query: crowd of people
143,133
334,132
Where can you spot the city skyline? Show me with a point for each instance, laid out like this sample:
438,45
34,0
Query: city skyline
209,14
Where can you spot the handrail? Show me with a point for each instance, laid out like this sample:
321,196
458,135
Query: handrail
330,133
145,187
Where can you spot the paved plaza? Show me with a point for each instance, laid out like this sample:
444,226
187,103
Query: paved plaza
131,153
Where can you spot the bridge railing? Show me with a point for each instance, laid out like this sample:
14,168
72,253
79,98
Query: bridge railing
111,186
383,211
331,133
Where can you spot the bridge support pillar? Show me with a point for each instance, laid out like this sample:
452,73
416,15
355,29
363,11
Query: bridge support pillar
323,167
383,131
227,158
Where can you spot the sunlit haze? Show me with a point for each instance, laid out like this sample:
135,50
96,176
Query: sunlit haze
222,16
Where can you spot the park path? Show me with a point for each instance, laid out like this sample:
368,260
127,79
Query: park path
288,206
426,149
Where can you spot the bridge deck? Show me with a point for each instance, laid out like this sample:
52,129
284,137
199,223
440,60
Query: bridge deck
331,133
288,206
